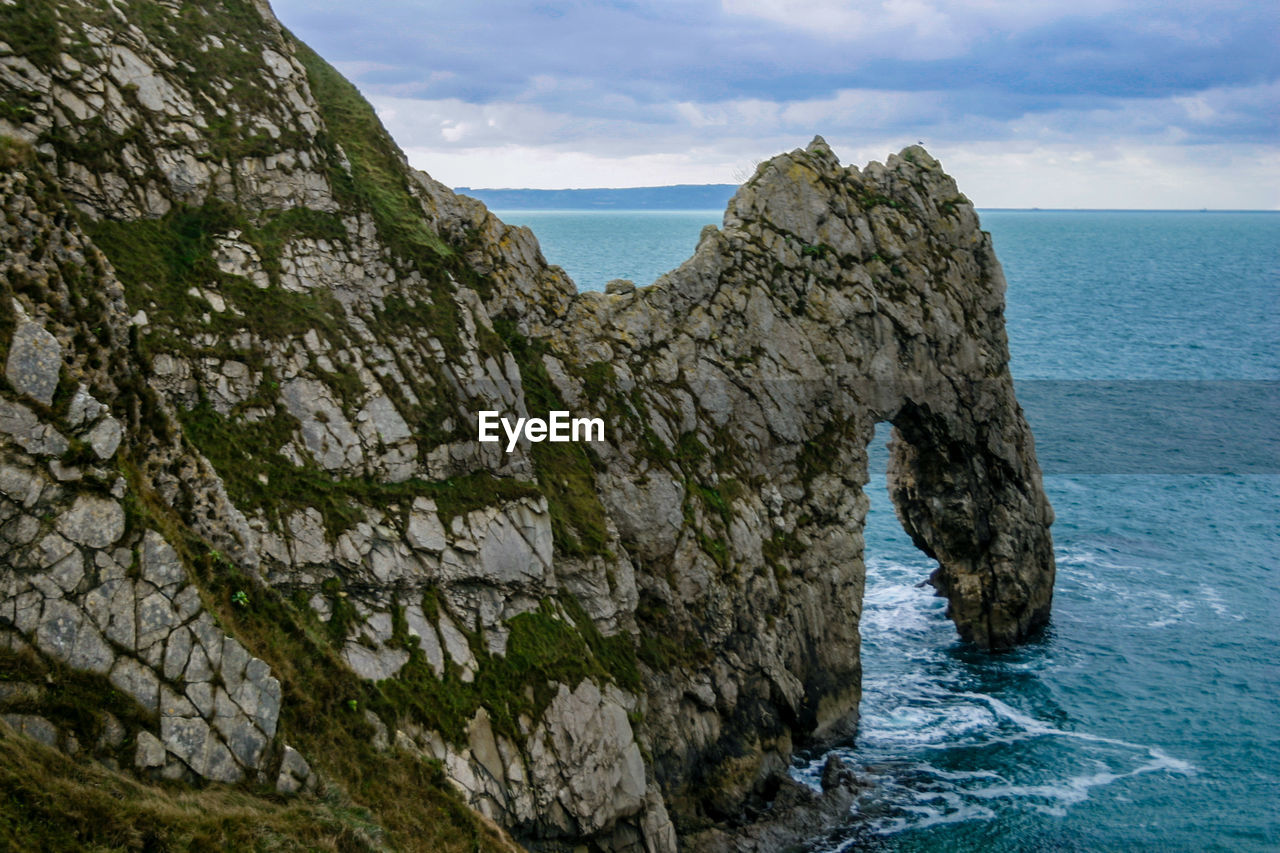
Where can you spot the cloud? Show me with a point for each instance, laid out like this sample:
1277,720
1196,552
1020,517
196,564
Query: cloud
663,90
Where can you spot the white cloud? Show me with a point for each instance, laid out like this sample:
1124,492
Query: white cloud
925,31
543,168
1133,175
992,174
913,29
1095,152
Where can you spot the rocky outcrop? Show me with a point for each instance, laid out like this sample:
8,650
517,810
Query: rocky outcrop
84,586
244,351
745,386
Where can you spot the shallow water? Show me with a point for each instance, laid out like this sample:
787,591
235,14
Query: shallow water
1148,714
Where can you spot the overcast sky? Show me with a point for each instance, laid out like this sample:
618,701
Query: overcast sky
1029,103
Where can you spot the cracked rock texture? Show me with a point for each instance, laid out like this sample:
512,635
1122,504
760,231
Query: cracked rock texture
243,340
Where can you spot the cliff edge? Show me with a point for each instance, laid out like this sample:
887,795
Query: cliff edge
248,535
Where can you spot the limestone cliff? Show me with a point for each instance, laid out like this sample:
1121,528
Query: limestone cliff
248,534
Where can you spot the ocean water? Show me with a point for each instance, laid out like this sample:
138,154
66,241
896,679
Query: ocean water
1147,716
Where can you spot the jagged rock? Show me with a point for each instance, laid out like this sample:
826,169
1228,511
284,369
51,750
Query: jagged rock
245,740
156,619
326,433
388,429
425,530
586,752
258,694
105,437
150,751
428,640
177,652
835,773
484,746
191,739
236,257
68,572
295,773
93,522
24,486
374,664
515,547
138,681
33,726
457,647
35,360
83,408
306,529
22,425
66,634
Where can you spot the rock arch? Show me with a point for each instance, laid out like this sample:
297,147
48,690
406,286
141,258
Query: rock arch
831,298
966,489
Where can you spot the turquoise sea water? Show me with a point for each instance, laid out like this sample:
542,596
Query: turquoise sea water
1148,714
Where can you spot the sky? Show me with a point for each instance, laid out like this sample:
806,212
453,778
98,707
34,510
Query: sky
1028,103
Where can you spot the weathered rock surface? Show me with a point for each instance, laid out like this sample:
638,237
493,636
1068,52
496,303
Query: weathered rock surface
629,639
833,298
35,359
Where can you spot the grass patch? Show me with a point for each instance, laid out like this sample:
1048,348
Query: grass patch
15,154
661,648
31,28
72,699
160,260
53,802
565,470
544,649
243,452
377,180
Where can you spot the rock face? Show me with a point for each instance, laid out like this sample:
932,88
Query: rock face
751,379
244,350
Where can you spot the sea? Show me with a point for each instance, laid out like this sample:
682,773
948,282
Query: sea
1146,350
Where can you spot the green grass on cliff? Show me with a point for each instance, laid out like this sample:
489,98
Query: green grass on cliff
31,29
159,261
375,177
50,801
544,650
258,477
368,799
565,470
378,177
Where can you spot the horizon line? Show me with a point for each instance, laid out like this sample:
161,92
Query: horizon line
979,209
1028,209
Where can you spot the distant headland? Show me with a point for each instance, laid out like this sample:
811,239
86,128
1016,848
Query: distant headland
678,197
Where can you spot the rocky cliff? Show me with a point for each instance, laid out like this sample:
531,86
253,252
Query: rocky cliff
248,534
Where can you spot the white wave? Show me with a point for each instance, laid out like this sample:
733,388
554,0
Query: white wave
920,726
1160,759
913,710
1217,604
1176,611
1075,789
914,794
953,811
